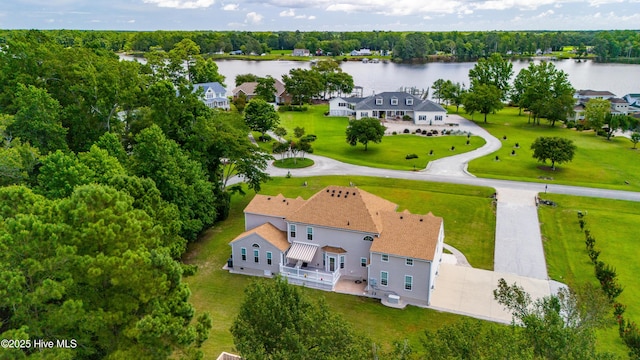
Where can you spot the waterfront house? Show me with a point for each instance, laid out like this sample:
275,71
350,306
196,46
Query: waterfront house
389,105
341,234
249,90
214,96
301,52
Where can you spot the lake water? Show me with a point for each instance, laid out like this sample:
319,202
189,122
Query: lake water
620,79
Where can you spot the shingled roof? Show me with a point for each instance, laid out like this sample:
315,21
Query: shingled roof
269,233
279,205
344,208
417,104
408,235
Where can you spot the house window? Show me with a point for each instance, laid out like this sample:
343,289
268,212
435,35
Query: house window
269,257
408,282
292,230
342,104
409,101
438,117
364,114
243,253
394,101
384,278
408,262
309,233
363,262
341,261
422,117
256,256
374,113
255,245
385,257
378,101
368,238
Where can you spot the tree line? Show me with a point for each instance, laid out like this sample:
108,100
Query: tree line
607,46
108,169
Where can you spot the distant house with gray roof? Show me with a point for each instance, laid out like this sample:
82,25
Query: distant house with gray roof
389,105
215,95
342,234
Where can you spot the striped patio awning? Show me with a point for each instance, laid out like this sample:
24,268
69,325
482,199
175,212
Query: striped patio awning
302,252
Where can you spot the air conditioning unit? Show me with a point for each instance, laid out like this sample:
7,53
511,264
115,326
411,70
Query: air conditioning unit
394,299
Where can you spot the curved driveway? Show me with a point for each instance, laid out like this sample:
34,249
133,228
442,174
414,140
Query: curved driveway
519,254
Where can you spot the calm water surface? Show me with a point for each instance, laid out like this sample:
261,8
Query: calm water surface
620,79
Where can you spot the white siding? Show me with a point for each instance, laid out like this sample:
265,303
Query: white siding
253,220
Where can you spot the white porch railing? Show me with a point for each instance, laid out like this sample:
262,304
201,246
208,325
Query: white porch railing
311,278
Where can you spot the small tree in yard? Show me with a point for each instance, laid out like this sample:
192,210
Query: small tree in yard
260,116
556,149
298,132
364,131
277,321
635,138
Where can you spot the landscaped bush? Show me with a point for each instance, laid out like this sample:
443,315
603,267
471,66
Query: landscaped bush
309,138
284,108
570,124
418,131
394,133
406,118
407,131
411,156
580,127
424,132
265,138
601,133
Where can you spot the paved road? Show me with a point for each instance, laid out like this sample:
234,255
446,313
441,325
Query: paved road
519,254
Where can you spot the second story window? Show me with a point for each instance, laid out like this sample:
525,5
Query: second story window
309,233
385,257
292,230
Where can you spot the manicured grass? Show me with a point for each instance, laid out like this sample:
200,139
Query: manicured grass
597,162
614,225
389,154
469,219
293,163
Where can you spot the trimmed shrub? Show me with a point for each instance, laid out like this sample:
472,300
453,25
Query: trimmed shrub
406,118
411,156
265,138
407,131
394,133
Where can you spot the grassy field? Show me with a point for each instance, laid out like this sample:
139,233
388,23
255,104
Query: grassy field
469,220
293,163
389,154
614,225
597,162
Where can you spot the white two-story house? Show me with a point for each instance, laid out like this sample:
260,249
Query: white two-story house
341,234
389,105
215,95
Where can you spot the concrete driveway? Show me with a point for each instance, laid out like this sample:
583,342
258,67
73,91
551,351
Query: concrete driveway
468,291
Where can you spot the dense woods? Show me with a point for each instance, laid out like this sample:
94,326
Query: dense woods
108,169
608,46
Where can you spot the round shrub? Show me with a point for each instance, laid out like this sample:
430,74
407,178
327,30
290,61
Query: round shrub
394,133
407,131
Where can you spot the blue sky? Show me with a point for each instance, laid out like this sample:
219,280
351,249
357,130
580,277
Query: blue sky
323,15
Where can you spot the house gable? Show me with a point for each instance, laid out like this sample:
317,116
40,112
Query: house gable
408,235
268,233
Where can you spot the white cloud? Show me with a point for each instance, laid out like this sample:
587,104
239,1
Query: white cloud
181,4
231,7
288,13
545,14
597,3
311,17
131,21
253,18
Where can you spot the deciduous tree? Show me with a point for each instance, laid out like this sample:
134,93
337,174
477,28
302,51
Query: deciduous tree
303,85
484,99
595,113
364,131
555,149
261,116
277,321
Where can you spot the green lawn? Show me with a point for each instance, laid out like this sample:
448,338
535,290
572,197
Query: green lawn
614,225
597,163
469,220
389,154
293,163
